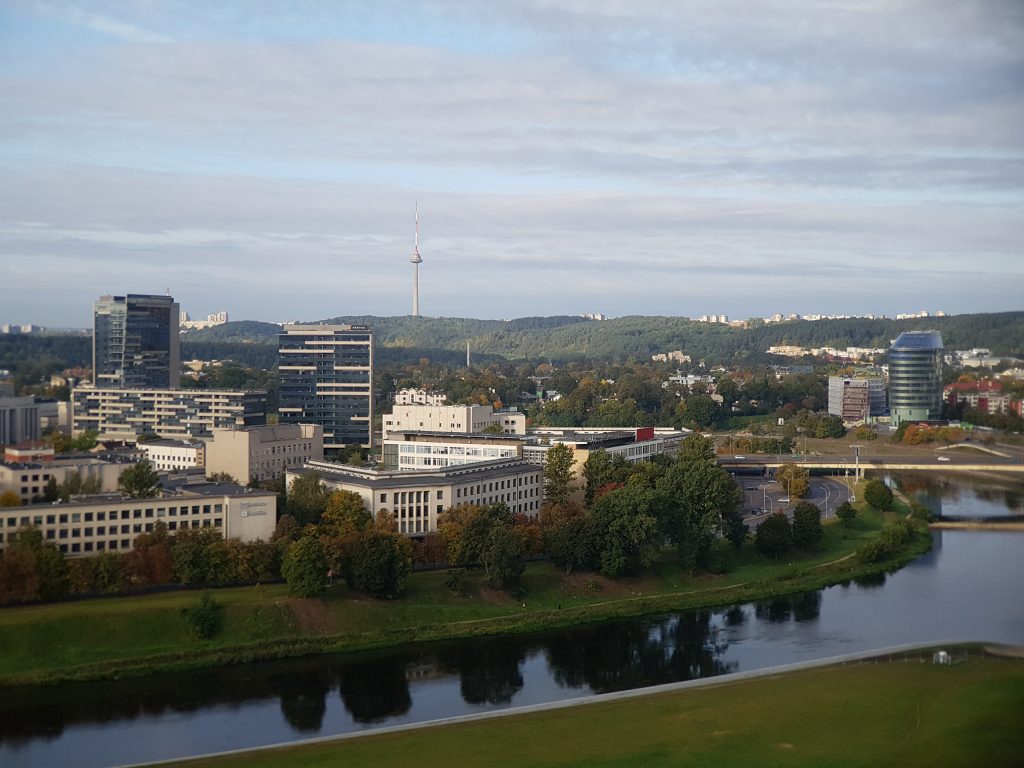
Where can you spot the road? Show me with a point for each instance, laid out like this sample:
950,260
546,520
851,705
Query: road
762,493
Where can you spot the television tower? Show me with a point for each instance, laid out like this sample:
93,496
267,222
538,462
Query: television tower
416,261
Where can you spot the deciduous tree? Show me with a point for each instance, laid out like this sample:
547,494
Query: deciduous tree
807,530
774,536
878,495
140,481
305,567
558,474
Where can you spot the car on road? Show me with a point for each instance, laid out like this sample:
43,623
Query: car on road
739,457
784,500
943,458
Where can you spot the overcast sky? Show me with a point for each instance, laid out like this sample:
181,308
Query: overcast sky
615,156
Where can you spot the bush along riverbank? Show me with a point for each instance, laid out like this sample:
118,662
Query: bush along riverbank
134,636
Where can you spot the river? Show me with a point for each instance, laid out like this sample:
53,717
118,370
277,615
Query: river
966,588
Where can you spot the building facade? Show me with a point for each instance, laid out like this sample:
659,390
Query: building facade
856,400
985,395
173,455
263,453
915,377
412,396
135,341
327,379
417,499
465,419
126,414
28,479
19,420
111,522
407,451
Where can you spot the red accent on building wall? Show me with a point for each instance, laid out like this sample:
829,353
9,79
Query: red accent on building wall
644,433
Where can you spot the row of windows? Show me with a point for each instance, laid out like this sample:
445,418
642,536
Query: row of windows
113,530
125,514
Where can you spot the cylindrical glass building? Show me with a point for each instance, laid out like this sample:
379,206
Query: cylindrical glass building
915,377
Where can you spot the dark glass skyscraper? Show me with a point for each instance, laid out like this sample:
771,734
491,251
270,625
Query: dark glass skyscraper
915,377
327,379
135,342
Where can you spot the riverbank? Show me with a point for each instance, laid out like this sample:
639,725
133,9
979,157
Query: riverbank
903,712
132,636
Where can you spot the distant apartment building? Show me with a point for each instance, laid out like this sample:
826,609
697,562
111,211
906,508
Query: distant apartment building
127,414
94,525
135,342
407,451
212,320
326,376
19,420
788,350
174,455
915,377
419,397
453,418
676,356
417,499
985,395
856,400
265,452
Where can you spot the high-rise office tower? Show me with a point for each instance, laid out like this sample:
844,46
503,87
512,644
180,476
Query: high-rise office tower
135,341
915,377
327,379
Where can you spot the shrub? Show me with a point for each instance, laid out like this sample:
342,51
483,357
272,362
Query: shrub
878,495
846,514
204,619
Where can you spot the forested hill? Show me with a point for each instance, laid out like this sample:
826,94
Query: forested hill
564,338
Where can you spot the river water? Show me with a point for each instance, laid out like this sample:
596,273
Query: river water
966,588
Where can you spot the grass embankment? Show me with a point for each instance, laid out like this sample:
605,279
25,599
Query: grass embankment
110,638
899,713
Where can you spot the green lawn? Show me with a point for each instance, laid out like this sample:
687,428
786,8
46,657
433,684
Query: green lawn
133,635
904,713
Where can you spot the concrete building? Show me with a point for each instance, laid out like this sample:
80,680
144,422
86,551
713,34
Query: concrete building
856,400
985,395
407,451
419,397
19,420
215,319
463,419
28,479
327,379
110,523
135,341
263,453
125,414
417,499
915,377
173,455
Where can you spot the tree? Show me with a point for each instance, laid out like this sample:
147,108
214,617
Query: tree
205,618
794,479
807,531
221,477
846,514
305,567
503,557
601,469
10,499
695,448
344,513
558,474
626,532
494,428
701,411
774,536
32,569
307,498
151,560
378,563
878,495
139,481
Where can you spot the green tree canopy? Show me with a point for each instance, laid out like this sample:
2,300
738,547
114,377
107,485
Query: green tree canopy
344,513
503,557
305,567
793,479
807,530
378,563
878,495
558,474
774,536
140,481
307,498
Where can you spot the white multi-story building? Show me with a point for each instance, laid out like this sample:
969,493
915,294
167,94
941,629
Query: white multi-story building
856,400
427,450
417,499
452,418
172,455
94,525
412,396
263,453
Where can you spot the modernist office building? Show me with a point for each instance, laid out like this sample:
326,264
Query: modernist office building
135,341
915,377
327,379
125,414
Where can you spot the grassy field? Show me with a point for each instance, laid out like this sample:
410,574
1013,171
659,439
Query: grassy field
96,639
901,713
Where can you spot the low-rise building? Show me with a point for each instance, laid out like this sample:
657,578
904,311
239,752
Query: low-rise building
171,455
126,414
417,499
406,451
986,395
94,525
453,418
28,479
264,452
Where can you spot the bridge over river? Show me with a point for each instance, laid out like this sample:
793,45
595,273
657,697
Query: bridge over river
889,463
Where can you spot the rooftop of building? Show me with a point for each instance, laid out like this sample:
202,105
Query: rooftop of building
928,340
193,491
413,436
374,478
168,443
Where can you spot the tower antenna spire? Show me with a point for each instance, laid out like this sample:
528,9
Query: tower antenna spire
416,260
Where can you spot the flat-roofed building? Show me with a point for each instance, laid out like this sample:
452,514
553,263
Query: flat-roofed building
327,379
427,450
856,400
127,414
411,396
915,377
19,420
28,479
94,525
464,419
416,499
172,455
263,453
135,341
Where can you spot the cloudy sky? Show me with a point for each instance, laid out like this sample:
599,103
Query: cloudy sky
617,156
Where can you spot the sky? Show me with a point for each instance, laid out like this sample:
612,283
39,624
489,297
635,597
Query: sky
615,156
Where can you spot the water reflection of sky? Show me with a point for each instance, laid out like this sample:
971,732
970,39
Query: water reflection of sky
965,588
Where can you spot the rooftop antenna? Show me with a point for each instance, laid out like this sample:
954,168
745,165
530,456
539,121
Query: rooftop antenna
416,260
467,354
